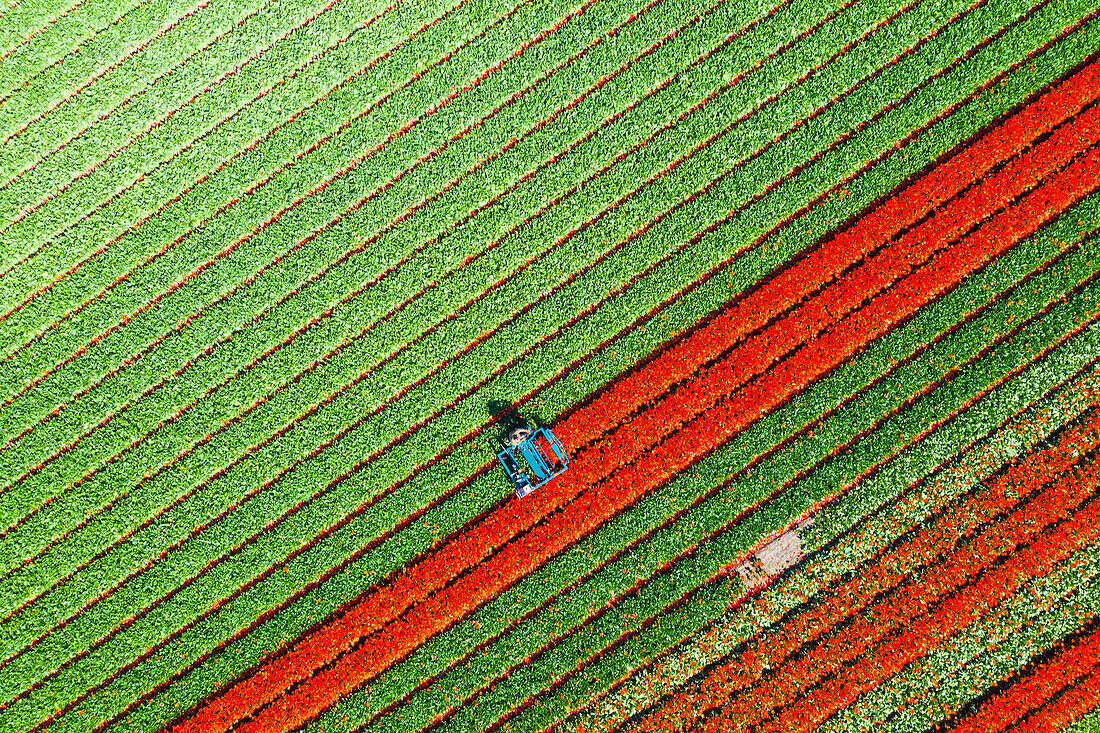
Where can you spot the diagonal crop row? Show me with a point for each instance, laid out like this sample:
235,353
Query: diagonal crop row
196,164
1088,720
442,514
883,487
1063,709
628,696
464,710
1064,511
509,692
138,90
22,152
582,688
575,557
152,125
785,473
509,560
1030,687
934,267
1004,493
206,132
79,36
23,27
926,692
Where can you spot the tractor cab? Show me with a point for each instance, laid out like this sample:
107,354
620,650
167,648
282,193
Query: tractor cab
531,456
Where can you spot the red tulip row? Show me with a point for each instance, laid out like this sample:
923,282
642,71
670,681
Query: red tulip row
891,568
1082,697
1035,538
1032,688
820,266
515,560
431,574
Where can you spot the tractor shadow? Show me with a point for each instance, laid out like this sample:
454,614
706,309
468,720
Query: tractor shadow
507,416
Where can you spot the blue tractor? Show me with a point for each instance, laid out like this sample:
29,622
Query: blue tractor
543,457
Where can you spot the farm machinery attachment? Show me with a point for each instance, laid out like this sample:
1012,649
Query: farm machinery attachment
531,456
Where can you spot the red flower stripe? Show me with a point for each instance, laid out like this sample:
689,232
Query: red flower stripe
153,124
106,70
26,39
432,573
521,556
1080,698
886,571
923,629
831,258
1033,688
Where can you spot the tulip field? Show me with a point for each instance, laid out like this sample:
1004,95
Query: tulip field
812,274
